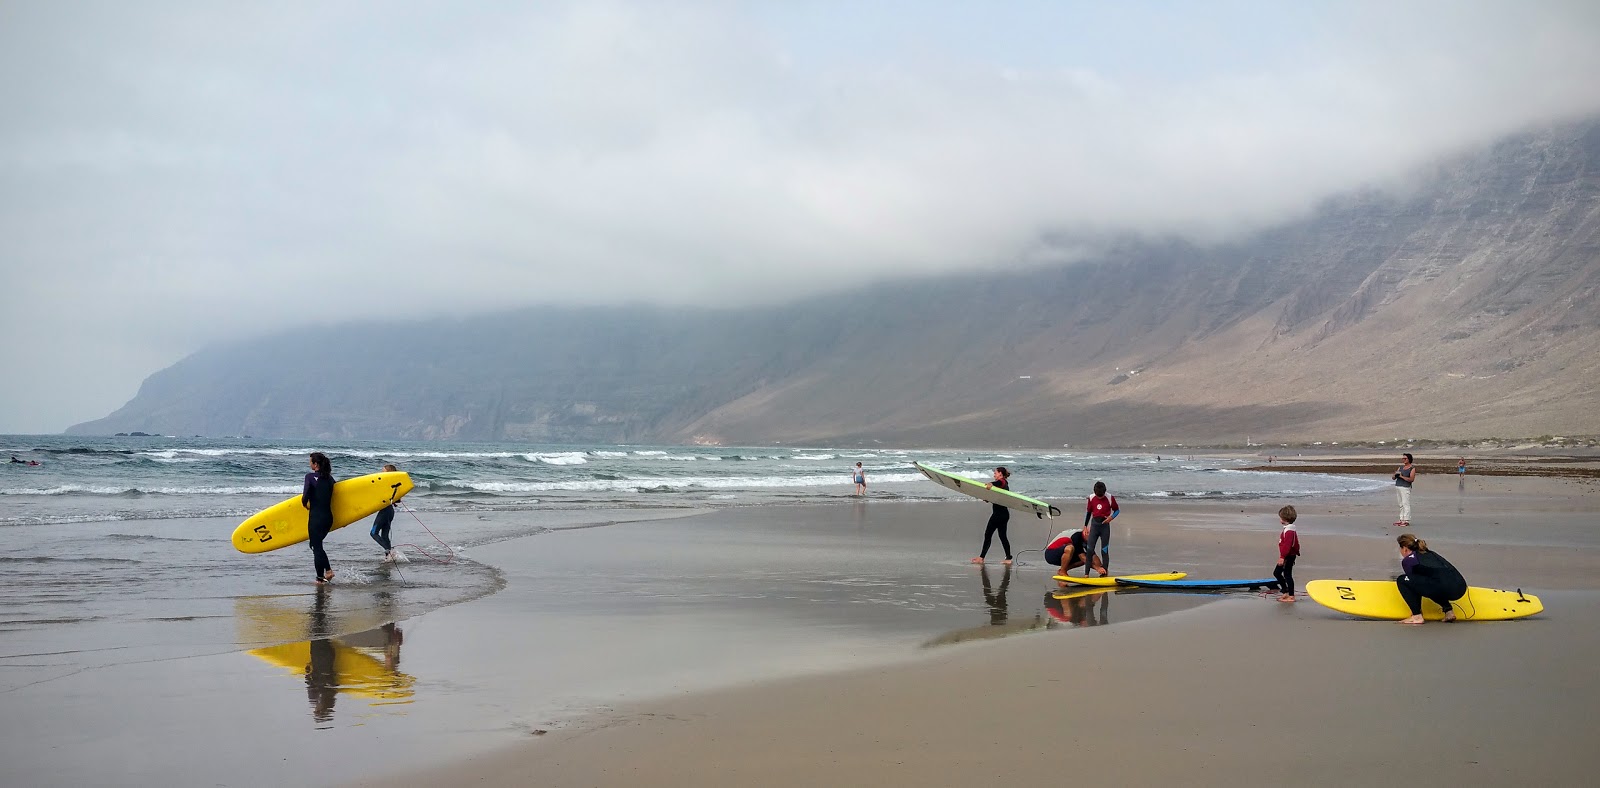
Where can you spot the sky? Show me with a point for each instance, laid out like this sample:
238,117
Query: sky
175,174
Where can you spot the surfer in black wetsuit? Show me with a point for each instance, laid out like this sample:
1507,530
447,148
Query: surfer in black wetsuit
998,518
1427,576
317,496
381,523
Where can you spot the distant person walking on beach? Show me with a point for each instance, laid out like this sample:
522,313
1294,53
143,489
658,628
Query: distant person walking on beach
861,479
1288,551
1427,576
1461,467
1097,517
381,523
317,496
1403,477
997,519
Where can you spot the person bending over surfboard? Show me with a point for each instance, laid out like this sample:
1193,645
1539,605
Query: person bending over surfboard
1102,509
381,523
1070,550
998,518
317,496
1427,576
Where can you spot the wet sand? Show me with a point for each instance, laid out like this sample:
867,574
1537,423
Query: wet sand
854,644
1243,690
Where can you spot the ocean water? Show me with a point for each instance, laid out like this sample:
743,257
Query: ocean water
119,546
105,480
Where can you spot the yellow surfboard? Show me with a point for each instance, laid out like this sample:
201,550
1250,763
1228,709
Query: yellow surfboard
1381,599
286,523
1080,580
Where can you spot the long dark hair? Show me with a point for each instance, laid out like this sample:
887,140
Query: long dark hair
320,460
1004,474
1412,543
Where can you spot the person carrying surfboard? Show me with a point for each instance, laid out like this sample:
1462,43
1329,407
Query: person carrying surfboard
998,518
317,496
381,524
1102,509
1070,550
1427,576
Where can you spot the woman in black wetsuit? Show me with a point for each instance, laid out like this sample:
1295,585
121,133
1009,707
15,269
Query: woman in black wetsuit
998,518
317,496
1427,576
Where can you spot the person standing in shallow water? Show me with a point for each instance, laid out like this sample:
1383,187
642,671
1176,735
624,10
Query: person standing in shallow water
381,524
317,497
1404,476
998,518
860,476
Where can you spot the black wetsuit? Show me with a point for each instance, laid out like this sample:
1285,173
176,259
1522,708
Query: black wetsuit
380,527
1431,577
997,524
317,496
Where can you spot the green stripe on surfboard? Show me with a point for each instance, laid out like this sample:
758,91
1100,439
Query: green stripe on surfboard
976,489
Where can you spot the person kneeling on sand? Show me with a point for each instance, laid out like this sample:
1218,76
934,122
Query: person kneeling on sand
1070,550
1288,551
1427,576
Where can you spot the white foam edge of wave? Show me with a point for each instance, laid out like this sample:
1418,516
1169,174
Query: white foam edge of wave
687,482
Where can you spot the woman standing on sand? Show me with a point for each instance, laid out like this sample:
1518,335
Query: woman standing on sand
998,518
1403,477
1427,576
317,496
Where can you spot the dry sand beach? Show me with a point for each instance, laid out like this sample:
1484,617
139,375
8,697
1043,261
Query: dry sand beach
1242,690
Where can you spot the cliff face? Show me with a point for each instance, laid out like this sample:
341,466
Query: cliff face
1466,308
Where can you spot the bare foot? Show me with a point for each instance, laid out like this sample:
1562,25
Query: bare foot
977,560
1450,617
1006,562
328,575
1286,598
1412,621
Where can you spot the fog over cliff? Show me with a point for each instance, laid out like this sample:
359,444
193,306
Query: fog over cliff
175,174
1467,307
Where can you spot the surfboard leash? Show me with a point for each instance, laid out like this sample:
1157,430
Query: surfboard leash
435,536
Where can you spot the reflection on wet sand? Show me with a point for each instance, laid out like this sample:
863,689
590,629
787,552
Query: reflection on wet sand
1000,625
1091,606
364,664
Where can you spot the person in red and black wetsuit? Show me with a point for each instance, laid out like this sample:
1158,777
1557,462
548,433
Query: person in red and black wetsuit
317,496
1102,509
998,518
1288,551
1070,550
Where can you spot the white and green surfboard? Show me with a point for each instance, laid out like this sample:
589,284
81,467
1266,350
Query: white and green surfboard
976,489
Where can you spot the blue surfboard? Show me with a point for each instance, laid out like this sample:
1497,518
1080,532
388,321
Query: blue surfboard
1200,585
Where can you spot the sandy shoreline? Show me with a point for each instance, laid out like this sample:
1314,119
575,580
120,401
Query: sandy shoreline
851,644
1239,690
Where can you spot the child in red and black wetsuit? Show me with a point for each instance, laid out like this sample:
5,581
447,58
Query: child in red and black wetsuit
1102,509
1288,551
